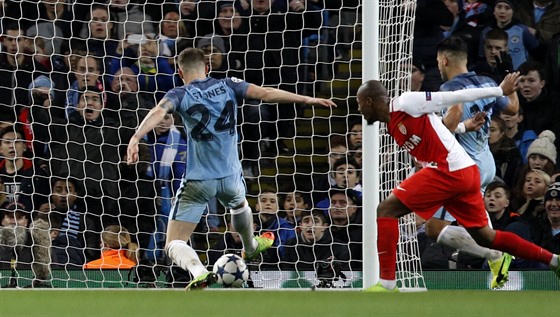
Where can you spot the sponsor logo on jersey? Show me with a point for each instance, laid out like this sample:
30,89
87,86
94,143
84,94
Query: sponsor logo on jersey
514,39
402,128
412,142
236,80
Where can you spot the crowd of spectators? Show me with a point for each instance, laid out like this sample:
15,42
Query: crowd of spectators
76,78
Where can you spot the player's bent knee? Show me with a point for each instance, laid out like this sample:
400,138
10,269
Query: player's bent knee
434,227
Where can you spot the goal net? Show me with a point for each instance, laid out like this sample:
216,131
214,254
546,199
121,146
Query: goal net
76,80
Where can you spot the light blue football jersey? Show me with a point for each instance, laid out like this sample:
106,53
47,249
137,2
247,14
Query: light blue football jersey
476,142
208,108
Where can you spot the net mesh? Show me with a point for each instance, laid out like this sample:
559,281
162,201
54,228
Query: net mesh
73,184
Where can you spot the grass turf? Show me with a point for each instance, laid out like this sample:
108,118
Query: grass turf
161,303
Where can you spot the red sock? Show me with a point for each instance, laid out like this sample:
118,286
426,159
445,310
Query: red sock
387,239
519,247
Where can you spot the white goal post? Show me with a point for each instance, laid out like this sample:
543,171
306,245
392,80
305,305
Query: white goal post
387,42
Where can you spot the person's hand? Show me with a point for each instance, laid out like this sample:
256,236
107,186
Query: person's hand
476,122
132,151
509,83
321,102
297,5
244,4
504,64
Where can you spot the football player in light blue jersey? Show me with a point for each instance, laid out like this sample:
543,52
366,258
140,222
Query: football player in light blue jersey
208,108
471,123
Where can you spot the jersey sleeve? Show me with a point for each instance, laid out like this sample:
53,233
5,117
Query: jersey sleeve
419,103
175,96
239,86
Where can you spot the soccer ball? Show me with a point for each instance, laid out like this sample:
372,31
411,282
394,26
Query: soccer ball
231,270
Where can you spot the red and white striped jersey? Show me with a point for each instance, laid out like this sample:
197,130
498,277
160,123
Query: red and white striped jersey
416,128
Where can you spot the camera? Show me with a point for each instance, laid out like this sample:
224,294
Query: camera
328,271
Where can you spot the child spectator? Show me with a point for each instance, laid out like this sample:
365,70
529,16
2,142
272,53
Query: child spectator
523,138
270,221
119,252
294,203
532,195
506,154
313,244
520,40
538,101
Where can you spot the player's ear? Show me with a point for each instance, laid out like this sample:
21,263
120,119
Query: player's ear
207,68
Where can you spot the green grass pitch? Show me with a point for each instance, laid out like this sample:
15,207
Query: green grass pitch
265,303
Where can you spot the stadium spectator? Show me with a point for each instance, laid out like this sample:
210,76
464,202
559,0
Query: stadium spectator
87,148
24,244
53,25
214,170
119,252
88,73
128,17
345,217
534,188
497,61
232,28
77,240
294,202
520,40
314,244
507,157
64,68
98,33
539,102
125,103
171,31
197,16
541,16
497,201
545,231
154,72
522,138
24,181
347,173
215,50
267,207
354,134
17,70
42,93
336,149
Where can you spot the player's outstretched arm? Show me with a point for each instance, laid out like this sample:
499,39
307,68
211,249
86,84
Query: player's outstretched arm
274,95
151,120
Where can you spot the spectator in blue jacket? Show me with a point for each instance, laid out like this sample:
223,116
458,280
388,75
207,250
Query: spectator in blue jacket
267,207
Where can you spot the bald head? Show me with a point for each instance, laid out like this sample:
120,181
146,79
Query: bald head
372,88
373,101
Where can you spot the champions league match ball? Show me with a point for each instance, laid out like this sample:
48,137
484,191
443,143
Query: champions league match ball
231,270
